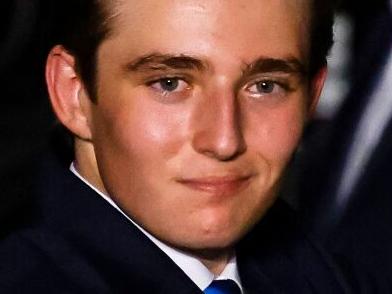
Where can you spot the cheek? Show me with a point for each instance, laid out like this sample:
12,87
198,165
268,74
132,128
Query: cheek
274,133
138,126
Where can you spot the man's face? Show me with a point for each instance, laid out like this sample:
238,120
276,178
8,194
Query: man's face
200,106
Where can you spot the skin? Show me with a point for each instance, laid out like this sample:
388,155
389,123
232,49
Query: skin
194,124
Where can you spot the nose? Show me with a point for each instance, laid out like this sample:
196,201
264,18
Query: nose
218,128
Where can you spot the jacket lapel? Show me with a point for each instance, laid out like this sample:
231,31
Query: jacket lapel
100,243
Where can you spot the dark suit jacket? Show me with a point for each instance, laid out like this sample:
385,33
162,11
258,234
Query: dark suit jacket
67,239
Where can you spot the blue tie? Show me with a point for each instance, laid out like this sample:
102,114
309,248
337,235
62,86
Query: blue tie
223,287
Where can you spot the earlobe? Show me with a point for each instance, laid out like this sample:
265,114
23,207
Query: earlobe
67,93
316,87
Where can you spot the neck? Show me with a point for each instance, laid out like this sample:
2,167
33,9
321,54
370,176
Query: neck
86,164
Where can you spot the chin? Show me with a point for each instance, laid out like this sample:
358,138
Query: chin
207,247
213,241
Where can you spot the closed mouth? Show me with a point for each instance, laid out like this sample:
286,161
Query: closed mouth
217,185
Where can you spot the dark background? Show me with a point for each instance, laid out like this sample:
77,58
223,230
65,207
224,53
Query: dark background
25,115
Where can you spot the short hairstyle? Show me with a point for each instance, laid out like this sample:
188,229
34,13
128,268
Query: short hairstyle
84,25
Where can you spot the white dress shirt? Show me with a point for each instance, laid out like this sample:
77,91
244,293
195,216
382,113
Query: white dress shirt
189,264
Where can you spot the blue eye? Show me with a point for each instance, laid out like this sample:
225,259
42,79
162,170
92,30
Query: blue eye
168,85
265,87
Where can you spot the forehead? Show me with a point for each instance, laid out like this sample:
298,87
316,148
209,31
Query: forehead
249,8
266,27
154,10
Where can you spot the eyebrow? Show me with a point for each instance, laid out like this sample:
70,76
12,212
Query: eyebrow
157,61
264,65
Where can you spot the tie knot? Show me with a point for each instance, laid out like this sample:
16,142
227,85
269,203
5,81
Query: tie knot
223,287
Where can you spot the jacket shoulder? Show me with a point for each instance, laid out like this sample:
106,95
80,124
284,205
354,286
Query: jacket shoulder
279,253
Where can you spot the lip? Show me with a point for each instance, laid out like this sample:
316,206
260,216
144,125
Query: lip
217,185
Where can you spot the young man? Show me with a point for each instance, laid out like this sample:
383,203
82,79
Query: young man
184,116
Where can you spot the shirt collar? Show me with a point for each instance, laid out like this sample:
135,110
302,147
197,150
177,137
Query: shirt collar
189,264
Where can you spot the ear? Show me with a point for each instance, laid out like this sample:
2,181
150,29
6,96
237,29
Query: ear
316,87
68,96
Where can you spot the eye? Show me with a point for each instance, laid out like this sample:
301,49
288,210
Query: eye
264,87
167,85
